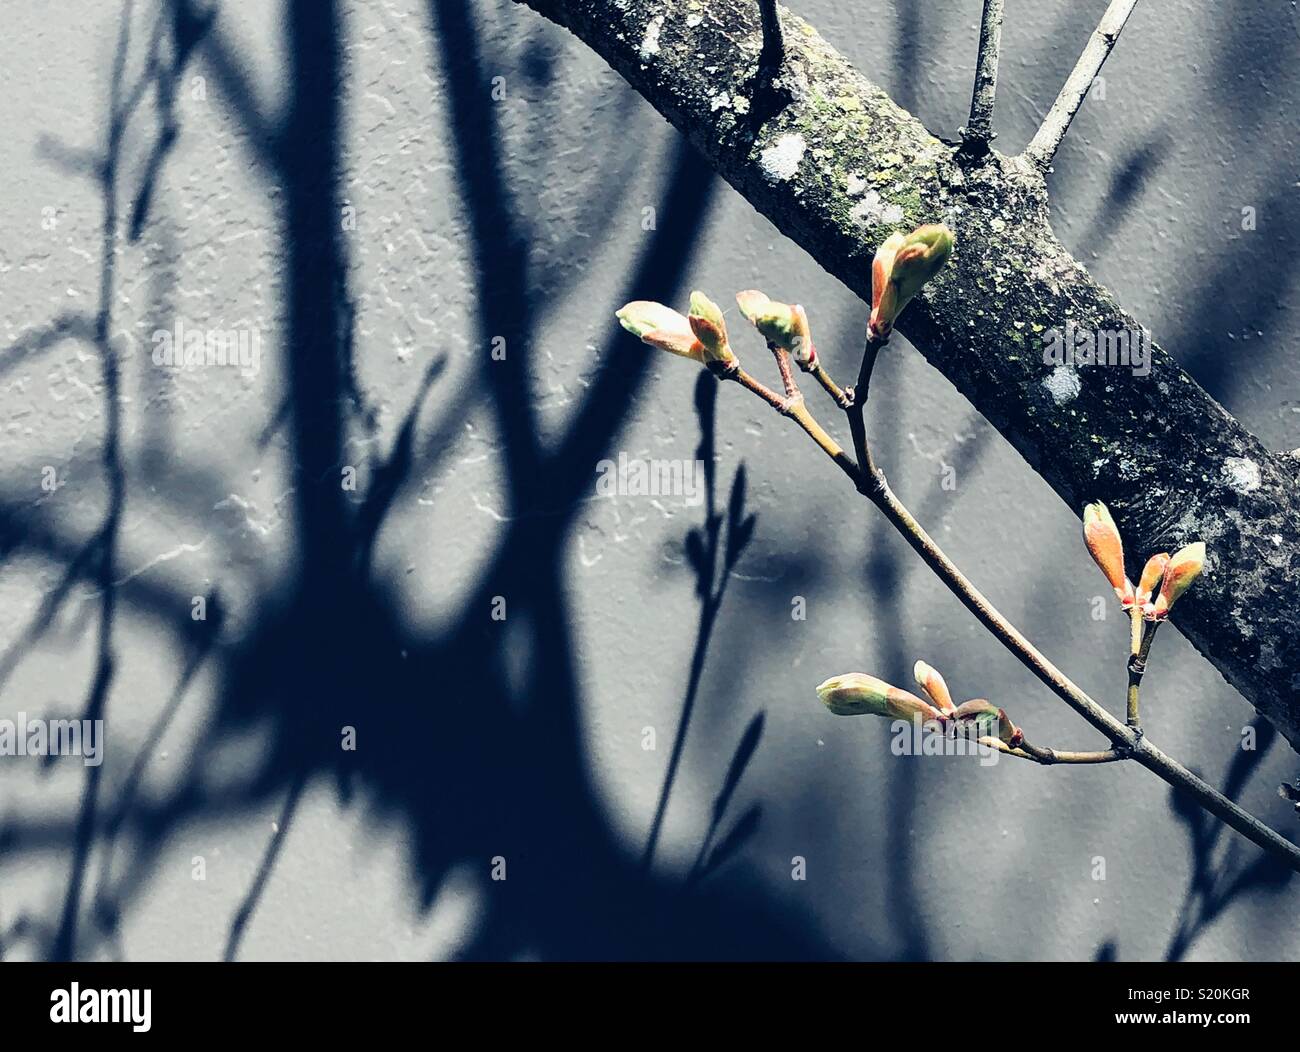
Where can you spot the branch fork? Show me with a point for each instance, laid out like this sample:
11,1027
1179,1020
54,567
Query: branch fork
901,267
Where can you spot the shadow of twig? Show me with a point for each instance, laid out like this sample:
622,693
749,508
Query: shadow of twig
707,861
703,547
1218,878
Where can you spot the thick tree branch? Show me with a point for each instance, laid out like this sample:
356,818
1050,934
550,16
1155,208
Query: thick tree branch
1042,148
840,166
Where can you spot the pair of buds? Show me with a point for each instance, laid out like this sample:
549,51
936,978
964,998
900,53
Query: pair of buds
1173,573
700,335
857,694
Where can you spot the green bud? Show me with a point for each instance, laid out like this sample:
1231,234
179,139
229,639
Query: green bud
979,711
857,694
902,266
703,307
1181,571
783,325
710,329
661,327
772,319
987,717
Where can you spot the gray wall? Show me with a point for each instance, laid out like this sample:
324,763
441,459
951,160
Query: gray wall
524,739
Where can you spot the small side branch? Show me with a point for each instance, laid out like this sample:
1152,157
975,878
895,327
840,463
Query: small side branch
1048,757
869,476
1143,635
1128,743
1042,148
838,395
979,129
793,406
783,366
773,53
769,96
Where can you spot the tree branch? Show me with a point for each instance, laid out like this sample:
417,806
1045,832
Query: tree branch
769,94
979,129
1128,741
1042,148
1048,757
773,51
1190,470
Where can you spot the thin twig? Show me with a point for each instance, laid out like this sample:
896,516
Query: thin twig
783,366
830,386
1049,757
1135,672
1139,650
839,395
857,407
979,129
796,410
769,96
1131,743
1042,148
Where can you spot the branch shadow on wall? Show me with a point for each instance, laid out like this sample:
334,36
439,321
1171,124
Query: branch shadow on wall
477,762
1224,869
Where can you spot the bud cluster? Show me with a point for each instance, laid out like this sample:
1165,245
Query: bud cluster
700,335
1173,574
857,694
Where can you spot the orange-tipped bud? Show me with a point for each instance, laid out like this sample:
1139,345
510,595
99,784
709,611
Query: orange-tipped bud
783,325
1184,567
1152,574
901,267
1101,535
857,694
801,347
929,680
661,327
883,307
710,329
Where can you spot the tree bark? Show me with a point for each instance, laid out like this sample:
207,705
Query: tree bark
838,166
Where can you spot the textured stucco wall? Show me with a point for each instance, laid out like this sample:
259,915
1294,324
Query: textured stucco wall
919,857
